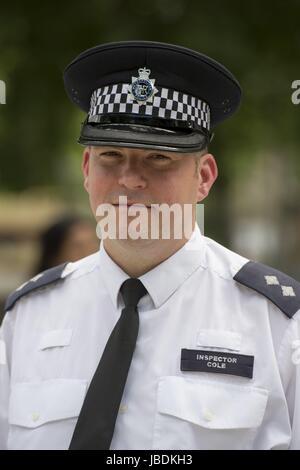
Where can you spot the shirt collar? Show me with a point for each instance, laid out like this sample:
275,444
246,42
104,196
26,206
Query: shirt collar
163,280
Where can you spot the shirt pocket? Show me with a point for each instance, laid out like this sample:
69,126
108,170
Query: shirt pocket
42,415
196,414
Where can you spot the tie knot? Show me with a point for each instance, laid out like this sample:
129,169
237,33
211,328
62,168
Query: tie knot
132,291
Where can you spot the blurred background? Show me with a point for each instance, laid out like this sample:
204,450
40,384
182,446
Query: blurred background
254,207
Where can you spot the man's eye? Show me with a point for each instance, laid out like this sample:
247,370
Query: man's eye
110,154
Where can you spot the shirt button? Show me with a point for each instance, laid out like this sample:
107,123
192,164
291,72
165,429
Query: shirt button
208,415
35,417
123,408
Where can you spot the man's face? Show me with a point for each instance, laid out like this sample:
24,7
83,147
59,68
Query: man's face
146,176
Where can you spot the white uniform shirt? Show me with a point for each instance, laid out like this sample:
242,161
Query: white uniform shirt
52,339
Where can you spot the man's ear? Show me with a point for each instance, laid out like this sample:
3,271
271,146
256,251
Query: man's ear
86,166
207,173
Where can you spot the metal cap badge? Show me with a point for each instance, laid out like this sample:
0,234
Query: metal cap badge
142,88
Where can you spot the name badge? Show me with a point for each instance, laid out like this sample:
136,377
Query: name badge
215,361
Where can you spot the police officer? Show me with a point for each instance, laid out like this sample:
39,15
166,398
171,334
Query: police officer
158,342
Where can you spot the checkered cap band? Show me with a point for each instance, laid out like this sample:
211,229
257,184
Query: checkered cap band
167,104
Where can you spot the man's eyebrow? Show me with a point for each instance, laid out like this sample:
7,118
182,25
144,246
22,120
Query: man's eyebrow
165,153
107,150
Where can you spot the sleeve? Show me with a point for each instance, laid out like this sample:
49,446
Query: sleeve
6,335
289,364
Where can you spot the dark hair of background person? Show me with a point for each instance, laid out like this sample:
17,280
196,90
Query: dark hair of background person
55,238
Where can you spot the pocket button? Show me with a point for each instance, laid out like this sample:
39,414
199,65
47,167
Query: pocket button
208,415
35,417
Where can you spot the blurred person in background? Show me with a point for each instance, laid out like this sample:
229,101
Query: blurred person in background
68,238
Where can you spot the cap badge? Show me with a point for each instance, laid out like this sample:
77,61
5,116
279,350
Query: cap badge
142,88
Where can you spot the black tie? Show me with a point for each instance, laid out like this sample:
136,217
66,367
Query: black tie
96,422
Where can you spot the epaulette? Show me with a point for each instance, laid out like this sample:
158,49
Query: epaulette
279,288
43,279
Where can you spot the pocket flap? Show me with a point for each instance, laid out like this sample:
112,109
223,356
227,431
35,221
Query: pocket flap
35,403
55,338
212,405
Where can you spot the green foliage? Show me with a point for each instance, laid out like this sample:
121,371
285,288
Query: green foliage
258,41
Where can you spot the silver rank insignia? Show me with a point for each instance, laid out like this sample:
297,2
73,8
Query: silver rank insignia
142,88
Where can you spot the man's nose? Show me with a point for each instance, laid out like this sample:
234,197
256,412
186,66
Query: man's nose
131,176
